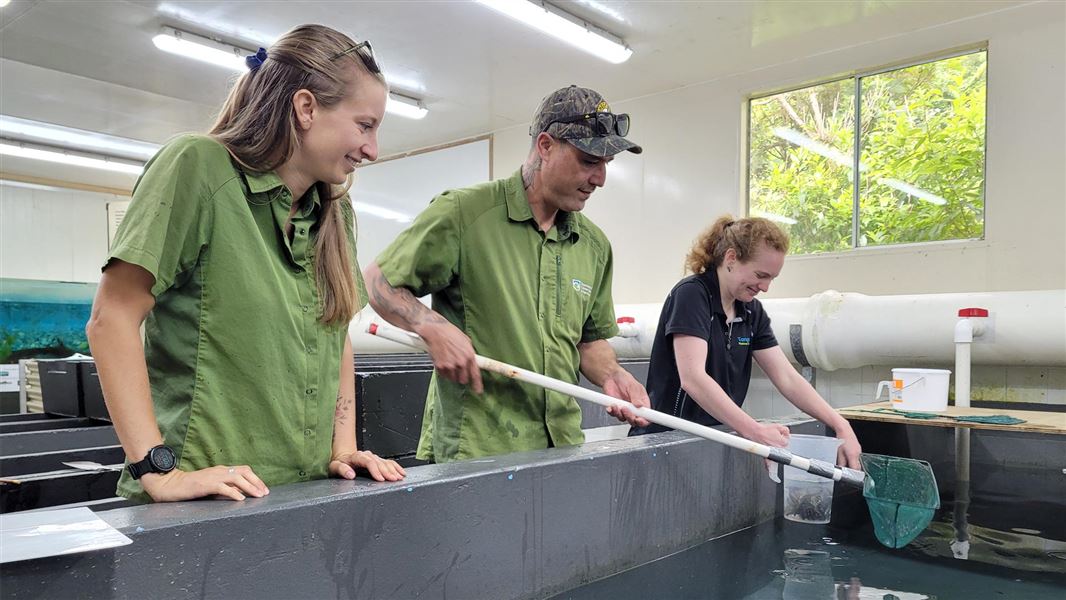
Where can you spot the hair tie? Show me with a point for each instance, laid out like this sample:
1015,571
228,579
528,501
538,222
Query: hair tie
254,61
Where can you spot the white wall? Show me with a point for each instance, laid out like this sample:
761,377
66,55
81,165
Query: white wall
52,234
58,234
405,186
654,204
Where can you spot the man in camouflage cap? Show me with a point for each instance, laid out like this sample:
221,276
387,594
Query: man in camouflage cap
582,117
519,275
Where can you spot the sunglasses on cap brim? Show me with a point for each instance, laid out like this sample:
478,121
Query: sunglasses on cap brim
601,123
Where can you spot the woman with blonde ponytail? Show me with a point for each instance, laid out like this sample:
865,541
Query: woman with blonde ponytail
712,326
237,254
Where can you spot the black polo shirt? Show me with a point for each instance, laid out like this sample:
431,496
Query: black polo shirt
694,307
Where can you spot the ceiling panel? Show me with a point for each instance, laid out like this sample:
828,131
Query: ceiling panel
92,64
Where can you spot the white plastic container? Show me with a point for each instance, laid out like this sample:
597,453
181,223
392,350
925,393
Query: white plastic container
809,498
924,390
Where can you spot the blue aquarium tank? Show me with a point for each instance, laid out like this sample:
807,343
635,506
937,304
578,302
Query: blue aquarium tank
43,319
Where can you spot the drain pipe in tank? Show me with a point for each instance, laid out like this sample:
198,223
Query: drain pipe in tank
972,323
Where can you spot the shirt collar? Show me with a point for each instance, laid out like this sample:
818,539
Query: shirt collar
518,209
568,226
270,183
259,183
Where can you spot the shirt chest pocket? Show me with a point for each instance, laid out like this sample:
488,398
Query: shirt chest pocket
575,296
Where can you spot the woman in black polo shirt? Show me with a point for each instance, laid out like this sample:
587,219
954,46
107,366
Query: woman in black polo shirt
710,328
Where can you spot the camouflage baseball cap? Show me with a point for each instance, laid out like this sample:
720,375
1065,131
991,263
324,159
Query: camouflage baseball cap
573,102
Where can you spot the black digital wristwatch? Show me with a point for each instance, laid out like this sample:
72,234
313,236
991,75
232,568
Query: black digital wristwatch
159,460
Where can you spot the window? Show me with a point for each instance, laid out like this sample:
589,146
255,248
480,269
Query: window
919,148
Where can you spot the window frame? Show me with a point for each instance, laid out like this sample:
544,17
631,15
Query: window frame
856,78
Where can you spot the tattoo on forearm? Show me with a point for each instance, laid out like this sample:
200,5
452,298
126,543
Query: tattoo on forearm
399,305
344,409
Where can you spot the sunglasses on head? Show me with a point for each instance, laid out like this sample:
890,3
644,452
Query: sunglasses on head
365,52
601,123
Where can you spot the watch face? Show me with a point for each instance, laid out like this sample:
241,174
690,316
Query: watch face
162,459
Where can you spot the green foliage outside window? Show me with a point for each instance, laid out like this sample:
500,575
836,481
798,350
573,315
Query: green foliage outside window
922,152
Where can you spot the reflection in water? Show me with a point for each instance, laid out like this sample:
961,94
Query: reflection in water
808,575
960,546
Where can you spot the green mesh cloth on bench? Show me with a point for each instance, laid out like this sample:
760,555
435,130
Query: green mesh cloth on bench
987,419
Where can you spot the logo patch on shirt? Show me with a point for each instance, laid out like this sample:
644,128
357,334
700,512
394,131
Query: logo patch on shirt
581,287
744,341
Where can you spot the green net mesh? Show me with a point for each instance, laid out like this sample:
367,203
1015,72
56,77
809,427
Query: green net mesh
990,419
902,496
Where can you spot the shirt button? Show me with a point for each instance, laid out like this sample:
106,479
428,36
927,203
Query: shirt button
309,391
303,474
305,308
302,231
307,433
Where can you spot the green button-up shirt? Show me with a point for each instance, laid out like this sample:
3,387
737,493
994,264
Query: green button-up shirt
241,369
523,296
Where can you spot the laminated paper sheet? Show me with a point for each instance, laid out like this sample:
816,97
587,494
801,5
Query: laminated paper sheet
37,534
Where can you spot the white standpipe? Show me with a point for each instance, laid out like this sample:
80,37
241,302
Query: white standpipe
962,366
971,324
965,330
627,327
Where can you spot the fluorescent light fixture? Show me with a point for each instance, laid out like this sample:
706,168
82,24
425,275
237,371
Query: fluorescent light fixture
381,212
774,217
403,106
232,57
26,130
63,157
604,9
564,26
201,48
401,82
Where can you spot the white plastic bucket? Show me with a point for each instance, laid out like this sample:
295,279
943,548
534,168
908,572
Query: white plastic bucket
917,389
809,498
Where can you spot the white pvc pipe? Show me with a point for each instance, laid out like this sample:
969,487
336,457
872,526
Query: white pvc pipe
365,343
963,341
962,374
847,330
965,330
780,455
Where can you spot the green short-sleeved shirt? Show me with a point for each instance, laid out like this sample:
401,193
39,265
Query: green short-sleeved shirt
523,296
241,369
